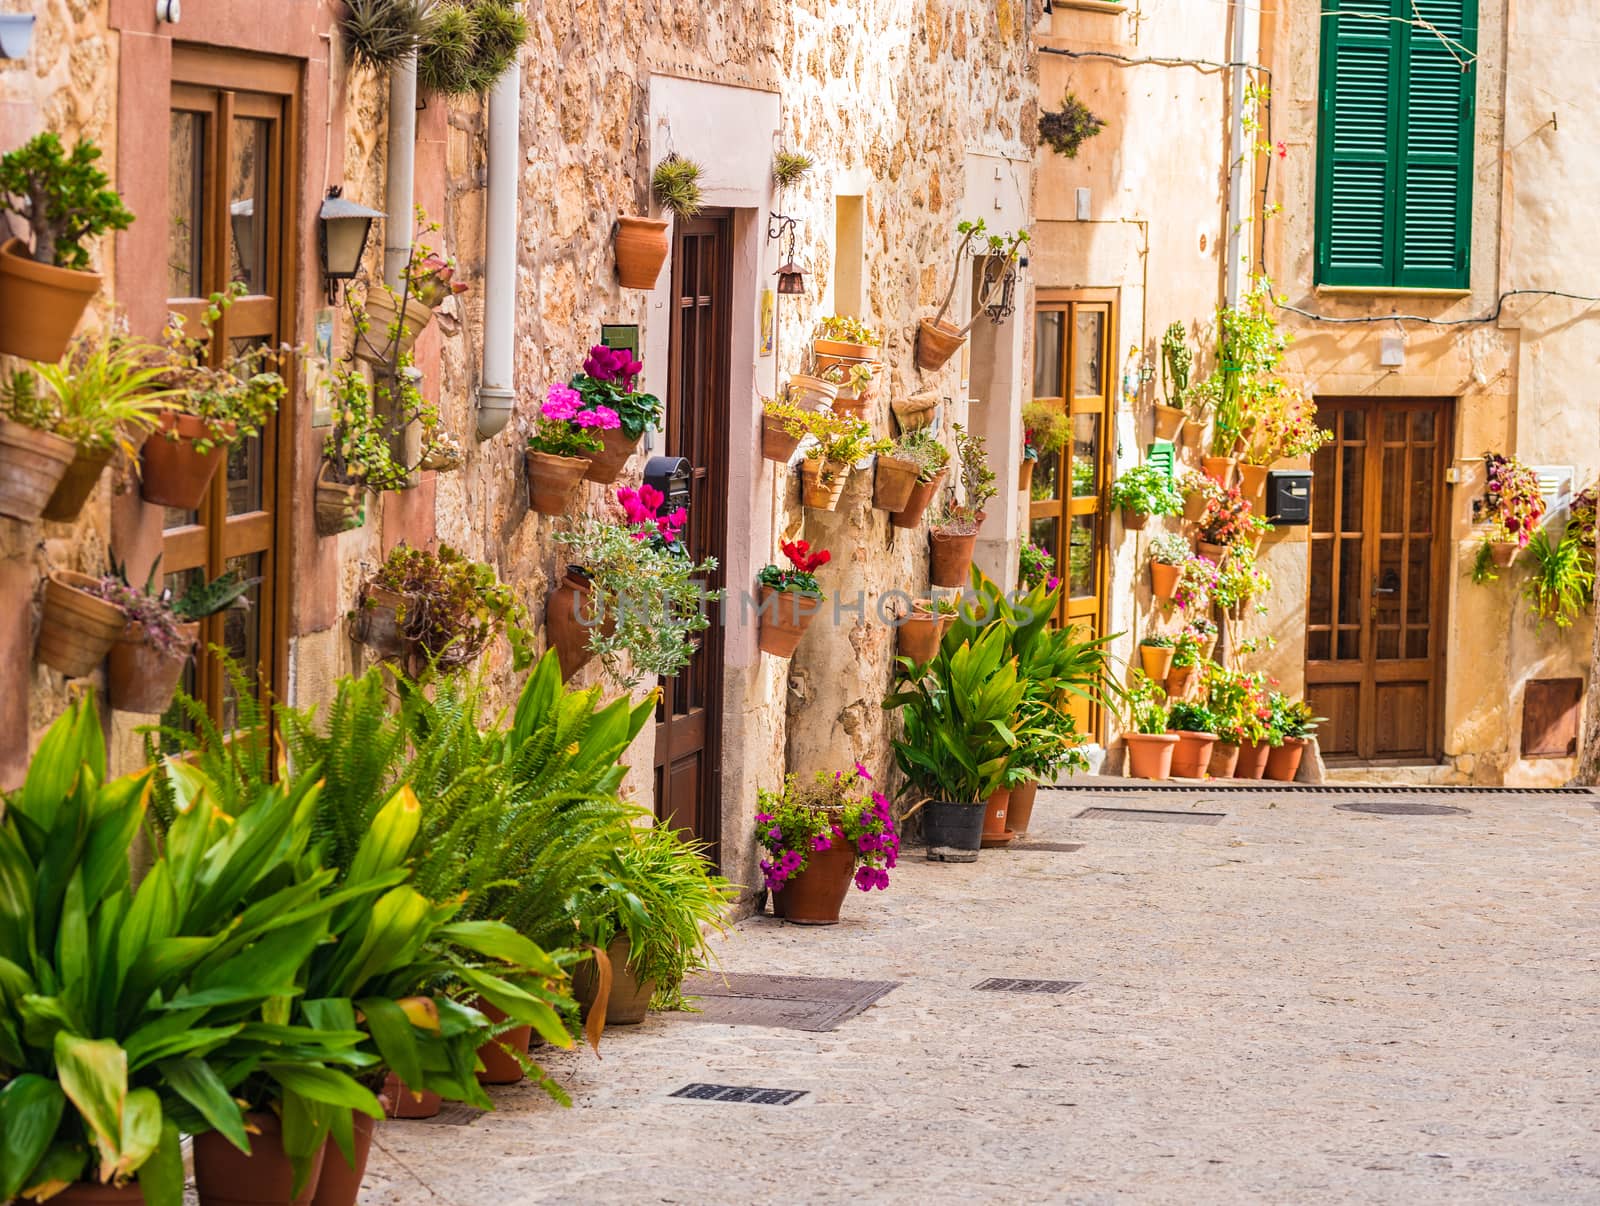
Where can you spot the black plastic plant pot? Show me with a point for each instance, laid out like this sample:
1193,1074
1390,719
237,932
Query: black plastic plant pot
954,832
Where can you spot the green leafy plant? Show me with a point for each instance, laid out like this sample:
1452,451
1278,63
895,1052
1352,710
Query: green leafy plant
1187,716
1185,650
977,479
800,574
234,399
64,198
358,447
103,394
836,440
1066,129
1560,587
1250,346
381,33
923,449
676,185
1045,429
464,46
999,253
846,328
1239,580
1290,718
1198,579
1277,422
1170,548
790,167
1158,640
1177,363
608,379
1146,490
454,605
1035,565
1238,700
1146,711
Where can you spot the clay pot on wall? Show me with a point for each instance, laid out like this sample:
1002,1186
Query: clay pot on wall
953,830
822,483
849,404
785,615
1252,762
1020,811
922,495
629,1000
606,465
1025,475
920,632
569,615
809,393
40,304
340,506
1218,468
377,344
1150,754
225,1176
1192,755
995,809
77,629
1134,521
383,621
776,442
914,412
641,249
176,474
815,896
1156,660
1169,421
1163,579
1253,484
552,480
837,351
32,463
1283,763
339,1183
77,484
1224,757
1504,552
936,343
892,483
1216,552
1194,506
950,559
142,678
1178,681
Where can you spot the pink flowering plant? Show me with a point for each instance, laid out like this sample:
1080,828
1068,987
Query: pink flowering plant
834,809
1198,579
607,383
1036,566
567,426
642,507
1513,504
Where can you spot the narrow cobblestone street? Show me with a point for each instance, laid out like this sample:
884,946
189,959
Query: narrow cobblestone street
1297,1004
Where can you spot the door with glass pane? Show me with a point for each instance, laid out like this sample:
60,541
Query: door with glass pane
1375,619
1066,507
228,222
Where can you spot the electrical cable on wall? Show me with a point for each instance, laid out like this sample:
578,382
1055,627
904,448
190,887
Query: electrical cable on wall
1492,316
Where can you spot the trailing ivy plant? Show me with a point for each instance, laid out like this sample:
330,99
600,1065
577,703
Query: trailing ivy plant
1066,129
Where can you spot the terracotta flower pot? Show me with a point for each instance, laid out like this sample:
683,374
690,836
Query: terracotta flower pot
953,830
340,506
1218,468
1169,421
376,345
785,615
919,635
77,484
1283,763
950,561
1156,661
914,412
815,895
40,304
892,483
1504,552
822,483
630,998
1205,649
922,495
606,465
569,620
1253,484
1194,506
936,343
552,480
776,442
1252,763
401,1102
384,620
1025,475
175,473
32,463
225,1176
141,678
840,349
500,1067
1178,680
1163,579
1020,811
1134,521
995,808
1216,552
1150,754
849,404
88,1193
809,393
1224,757
641,249
1192,755
78,628
339,1183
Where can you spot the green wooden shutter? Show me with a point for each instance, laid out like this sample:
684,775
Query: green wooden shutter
1394,184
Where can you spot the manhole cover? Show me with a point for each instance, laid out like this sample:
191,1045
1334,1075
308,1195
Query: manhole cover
740,1094
1404,808
452,1113
1059,847
996,984
814,1003
1151,814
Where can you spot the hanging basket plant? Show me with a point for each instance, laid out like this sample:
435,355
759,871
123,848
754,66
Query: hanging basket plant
444,608
380,33
676,185
938,339
466,45
1066,129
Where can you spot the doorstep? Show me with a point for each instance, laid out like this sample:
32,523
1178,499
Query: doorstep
1426,774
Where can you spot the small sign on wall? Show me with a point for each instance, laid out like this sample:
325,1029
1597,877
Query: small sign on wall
621,335
319,384
769,316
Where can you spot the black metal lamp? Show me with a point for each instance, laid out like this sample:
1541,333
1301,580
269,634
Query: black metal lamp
343,228
791,277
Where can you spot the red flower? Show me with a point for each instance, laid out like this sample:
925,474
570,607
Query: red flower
803,559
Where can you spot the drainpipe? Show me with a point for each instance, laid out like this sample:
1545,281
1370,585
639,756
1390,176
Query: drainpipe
399,197
495,390
1236,203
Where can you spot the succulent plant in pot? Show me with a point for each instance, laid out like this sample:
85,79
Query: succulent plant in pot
954,533
1177,363
844,340
438,609
818,837
789,597
836,443
996,257
1144,491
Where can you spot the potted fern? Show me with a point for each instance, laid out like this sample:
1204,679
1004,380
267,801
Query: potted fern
938,339
66,200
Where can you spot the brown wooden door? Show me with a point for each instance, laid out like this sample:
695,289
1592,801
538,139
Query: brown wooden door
689,716
229,221
1375,630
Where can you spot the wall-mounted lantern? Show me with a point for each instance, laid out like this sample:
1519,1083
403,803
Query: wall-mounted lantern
343,228
791,277
16,35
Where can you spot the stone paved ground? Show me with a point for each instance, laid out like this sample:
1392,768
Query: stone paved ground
1298,1005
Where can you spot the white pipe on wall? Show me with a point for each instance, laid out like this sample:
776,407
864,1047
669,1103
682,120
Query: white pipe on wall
1236,143
399,194
496,392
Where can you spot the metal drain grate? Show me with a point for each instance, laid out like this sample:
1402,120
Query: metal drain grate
1404,808
1151,814
1058,847
740,1094
814,1003
452,1113
998,984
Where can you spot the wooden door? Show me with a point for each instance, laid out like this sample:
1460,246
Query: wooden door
1067,503
229,220
1379,557
689,716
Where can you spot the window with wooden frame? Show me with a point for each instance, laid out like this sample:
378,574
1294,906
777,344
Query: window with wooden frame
230,220
1067,510
1395,143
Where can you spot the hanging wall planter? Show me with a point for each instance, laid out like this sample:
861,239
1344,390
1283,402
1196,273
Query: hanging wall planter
777,442
341,505
1169,421
568,614
552,480
641,249
378,343
893,481
1218,468
936,343
950,559
914,412
922,495
921,631
808,392
1025,475
1253,484
1156,659
823,483
785,616
40,304
176,474
78,627
606,465
384,621
32,463
77,484
143,678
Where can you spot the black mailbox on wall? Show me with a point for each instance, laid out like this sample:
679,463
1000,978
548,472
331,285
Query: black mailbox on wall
670,475
1289,497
